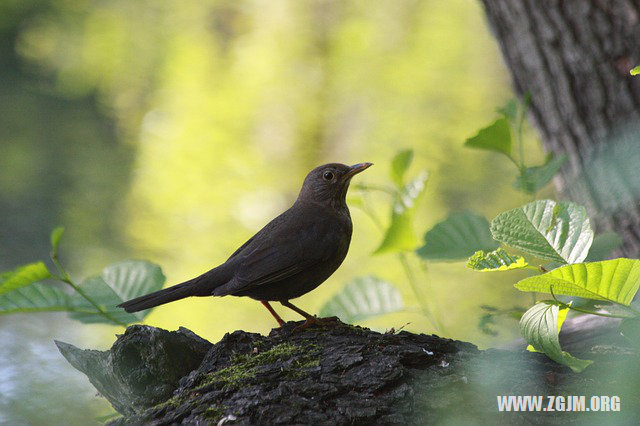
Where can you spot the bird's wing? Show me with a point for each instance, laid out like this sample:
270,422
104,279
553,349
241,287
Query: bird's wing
282,252
242,247
285,254
275,273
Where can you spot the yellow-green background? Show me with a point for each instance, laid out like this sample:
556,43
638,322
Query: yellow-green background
172,131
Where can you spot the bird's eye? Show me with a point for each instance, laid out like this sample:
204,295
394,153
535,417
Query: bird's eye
327,175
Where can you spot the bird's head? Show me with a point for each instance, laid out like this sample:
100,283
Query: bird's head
329,183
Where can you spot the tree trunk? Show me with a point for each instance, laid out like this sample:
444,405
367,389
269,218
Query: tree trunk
574,58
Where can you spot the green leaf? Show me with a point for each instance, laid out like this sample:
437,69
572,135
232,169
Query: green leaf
554,231
35,298
118,283
56,235
497,260
540,327
363,298
106,298
399,165
603,245
495,137
635,71
400,235
615,280
457,237
133,278
23,276
532,179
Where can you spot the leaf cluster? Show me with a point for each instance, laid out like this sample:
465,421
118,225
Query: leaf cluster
36,288
505,136
557,234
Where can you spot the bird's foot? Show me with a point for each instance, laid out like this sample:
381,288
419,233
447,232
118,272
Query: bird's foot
315,321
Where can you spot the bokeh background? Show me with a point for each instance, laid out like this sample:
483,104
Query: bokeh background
172,131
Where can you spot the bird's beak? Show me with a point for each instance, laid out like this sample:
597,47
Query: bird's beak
355,169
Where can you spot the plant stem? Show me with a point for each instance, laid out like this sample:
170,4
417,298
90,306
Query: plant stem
367,210
402,257
66,278
49,309
586,311
600,314
427,310
519,121
533,268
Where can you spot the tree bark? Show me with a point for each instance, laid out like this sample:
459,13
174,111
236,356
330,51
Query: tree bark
574,58
341,375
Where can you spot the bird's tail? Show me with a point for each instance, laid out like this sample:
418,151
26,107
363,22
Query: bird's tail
199,286
160,297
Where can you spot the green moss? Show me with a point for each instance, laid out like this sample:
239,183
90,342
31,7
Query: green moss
244,366
214,412
172,402
300,366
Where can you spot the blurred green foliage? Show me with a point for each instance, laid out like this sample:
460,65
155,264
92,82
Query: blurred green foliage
173,131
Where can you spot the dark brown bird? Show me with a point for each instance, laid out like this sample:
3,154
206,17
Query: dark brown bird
293,254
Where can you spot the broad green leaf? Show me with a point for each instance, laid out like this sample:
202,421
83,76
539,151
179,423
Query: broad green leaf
532,179
457,237
36,297
56,235
118,283
495,137
497,260
133,278
23,276
603,245
399,165
635,71
400,235
615,280
363,298
106,298
554,231
540,327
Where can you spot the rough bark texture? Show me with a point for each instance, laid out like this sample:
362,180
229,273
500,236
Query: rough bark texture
574,58
339,375
142,368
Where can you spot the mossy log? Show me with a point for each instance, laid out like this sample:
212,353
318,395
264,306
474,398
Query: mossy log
339,375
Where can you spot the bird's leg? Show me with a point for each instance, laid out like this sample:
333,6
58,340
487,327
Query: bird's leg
298,310
310,319
274,313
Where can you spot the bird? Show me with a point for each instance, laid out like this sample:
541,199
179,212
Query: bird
289,257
